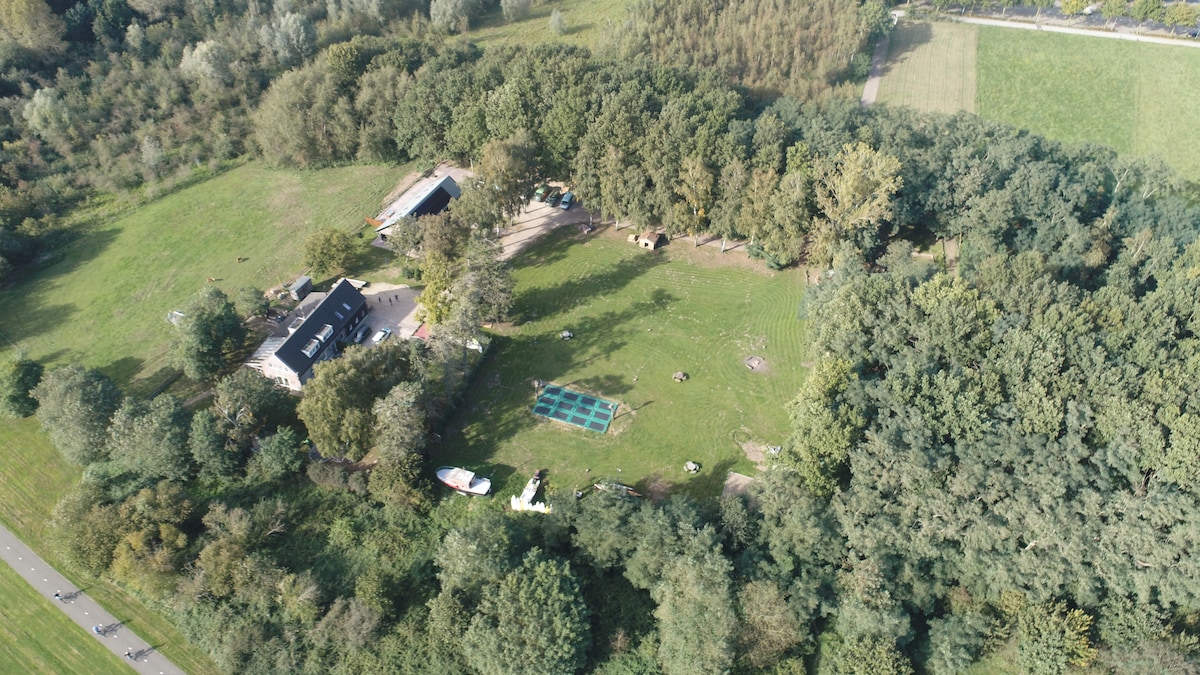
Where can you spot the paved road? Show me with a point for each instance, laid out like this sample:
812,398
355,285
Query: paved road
81,609
1052,28
878,60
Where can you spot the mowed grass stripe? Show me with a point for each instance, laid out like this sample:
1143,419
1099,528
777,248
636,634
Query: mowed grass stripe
931,67
35,637
643,315
1067,87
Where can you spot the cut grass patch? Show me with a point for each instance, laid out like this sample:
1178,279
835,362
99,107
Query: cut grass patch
1135,97
931,67
104,302
590,23
33,477
637,318
35,637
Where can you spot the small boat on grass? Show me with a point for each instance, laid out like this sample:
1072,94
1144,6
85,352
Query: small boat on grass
525,501
464,481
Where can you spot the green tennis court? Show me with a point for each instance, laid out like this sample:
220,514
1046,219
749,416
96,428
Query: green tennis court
572,407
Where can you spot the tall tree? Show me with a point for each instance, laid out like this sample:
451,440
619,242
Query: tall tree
208,333
535,621
17,380
329,249
509,168
854,192
74,407
149,439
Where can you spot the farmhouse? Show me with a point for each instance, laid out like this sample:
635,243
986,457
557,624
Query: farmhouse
288,356
429,195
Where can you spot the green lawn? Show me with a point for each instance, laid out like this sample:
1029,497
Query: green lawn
590,23
638,317
35,637
104,302
1136,98
931,66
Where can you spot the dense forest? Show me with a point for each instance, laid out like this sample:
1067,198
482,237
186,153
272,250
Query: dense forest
1002,455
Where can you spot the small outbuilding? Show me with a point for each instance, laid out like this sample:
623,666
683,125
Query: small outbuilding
301,288
649,240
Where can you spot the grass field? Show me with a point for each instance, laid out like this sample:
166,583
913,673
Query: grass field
103,303
1136,98
588,24
35,637
931,66
638,317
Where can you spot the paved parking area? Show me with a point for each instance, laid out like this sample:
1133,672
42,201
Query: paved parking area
537,219
391,306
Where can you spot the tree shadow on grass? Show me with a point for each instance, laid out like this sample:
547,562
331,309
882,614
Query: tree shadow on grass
546,302
550,248
907,37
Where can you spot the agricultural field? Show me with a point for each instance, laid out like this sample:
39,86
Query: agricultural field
103,303
35,637
1133,97
931,66
637,318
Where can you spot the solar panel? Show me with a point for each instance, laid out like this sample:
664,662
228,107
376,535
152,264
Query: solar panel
564,405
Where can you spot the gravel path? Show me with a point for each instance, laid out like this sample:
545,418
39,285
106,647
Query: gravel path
1054,28
81,609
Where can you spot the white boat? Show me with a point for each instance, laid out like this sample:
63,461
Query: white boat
464,481
525,501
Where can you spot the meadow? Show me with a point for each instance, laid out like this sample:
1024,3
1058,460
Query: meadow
637,318
104,301
1133,97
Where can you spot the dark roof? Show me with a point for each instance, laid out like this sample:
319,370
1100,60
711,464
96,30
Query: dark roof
338,309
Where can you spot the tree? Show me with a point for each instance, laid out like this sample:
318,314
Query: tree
696,619
149,439
696,187
558,22
279,455
251,302
18,378
534,621
1147,10
288,39
825,426
854,192
328,249
1114,9
509,168
1074,7
1051,638
453,15
515,10
1180,14
338,403
400,421
32,25
208,333
247,404
768,628
74,407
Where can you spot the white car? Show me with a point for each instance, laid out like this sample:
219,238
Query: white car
381,336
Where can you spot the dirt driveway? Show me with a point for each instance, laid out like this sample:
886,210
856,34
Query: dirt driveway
537,219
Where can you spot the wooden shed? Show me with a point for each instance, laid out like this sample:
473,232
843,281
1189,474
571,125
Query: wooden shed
649,240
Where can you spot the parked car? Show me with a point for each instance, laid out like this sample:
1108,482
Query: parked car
381,336
552,197
540,194
567,200
361,334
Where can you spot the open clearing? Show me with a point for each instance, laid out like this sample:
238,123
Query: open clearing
589,24
1136,98
931,66
103,303
637,318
